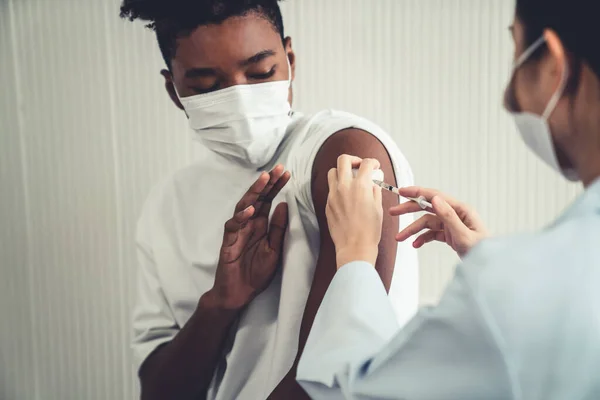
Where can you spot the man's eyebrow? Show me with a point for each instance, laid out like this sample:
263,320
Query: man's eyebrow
258,57
199,72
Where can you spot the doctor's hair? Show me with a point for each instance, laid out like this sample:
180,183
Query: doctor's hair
574,21
173,19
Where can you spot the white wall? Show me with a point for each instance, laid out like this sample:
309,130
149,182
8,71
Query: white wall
85,130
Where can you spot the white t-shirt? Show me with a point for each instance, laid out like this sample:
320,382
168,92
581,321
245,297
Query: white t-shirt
179,238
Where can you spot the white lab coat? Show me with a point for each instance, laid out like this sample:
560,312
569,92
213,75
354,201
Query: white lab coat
520,320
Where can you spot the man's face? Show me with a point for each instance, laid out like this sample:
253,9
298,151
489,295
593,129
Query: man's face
240,51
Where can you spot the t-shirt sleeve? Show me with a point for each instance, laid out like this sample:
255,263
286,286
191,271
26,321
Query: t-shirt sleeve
446,352
312,133
153,321
316,132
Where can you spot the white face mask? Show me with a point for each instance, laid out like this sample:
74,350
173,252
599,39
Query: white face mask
534,129
245,123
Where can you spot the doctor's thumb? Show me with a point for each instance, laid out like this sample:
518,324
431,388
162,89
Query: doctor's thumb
447,215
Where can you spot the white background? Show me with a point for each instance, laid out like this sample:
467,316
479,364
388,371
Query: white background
86,129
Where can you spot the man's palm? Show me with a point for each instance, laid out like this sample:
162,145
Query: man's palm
252,247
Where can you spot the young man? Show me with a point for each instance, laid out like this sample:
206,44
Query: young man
230,68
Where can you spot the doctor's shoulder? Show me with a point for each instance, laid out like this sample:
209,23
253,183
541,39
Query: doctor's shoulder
538,297
529,278
573,244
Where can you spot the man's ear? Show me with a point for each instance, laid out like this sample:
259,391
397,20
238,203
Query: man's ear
291,55
170,86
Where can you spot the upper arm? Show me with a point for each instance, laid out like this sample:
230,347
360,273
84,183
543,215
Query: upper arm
364,145
153,322
361,144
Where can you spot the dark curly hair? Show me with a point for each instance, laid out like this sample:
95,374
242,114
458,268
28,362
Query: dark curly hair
172,19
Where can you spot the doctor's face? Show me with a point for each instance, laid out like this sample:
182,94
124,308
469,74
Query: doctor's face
534,83
526,91
240,51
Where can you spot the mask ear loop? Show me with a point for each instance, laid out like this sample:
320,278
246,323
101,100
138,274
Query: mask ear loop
289,80
289,69
518,63
558,94
527,53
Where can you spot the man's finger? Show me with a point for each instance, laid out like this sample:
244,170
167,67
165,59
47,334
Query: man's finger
267,200
280,184
277,228
428,237
428,221
367,167
252,195
345,163
274,176
409,207
235,224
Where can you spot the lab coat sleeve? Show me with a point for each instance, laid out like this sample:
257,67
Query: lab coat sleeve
355,320
354,351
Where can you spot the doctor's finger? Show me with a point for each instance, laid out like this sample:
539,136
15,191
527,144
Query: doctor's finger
332,179
405,208
429,236
416,192
428,221
252,195
377,195
367,167
277,228
345,164
446,213
235,224
267,199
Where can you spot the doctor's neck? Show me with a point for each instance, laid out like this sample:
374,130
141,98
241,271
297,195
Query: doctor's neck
583,124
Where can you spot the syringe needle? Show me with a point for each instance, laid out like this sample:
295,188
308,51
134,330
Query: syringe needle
421,201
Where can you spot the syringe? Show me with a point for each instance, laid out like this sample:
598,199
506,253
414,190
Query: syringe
421,201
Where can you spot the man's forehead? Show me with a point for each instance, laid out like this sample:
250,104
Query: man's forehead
234,40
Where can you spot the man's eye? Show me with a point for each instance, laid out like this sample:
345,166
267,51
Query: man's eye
200,90
263,76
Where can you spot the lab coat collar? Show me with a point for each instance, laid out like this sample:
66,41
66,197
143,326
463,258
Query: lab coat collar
587,203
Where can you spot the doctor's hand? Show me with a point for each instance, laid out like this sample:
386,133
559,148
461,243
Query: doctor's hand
252,248
452,222
354,210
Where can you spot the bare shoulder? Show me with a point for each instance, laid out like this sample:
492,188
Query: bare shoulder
356,142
